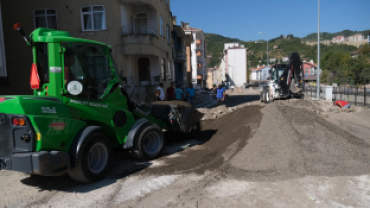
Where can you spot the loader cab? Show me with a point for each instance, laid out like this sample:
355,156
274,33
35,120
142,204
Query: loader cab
66,66
88,70
276,72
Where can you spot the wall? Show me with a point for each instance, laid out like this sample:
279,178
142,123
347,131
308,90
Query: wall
237,66
68,20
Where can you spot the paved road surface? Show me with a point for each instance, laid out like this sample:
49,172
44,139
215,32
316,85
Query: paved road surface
281,155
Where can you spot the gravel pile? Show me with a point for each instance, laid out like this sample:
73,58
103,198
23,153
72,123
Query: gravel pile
293,141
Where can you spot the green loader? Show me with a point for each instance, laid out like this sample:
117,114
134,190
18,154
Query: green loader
79,112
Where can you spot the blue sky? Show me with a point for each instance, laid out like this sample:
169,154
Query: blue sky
244,19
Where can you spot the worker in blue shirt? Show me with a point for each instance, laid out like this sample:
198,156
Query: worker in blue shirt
190,93
220,94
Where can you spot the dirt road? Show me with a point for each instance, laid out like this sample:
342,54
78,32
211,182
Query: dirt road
287,154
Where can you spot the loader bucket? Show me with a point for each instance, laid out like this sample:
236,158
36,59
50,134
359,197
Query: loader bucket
178,115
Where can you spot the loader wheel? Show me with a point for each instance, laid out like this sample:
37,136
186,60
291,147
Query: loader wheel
266,96
148,143
93,159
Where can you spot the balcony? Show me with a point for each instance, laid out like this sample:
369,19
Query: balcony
181,55
152,4
140,39
139,30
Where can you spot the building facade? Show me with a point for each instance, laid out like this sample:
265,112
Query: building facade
180,43
309,68
198,56
139,32
259,74
146,48
235,57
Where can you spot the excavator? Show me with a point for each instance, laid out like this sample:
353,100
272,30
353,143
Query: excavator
285,80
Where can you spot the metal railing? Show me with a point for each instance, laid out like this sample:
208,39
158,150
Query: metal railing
355,95
139,30
312,91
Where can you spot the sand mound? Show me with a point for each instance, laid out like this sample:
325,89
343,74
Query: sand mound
321,107
295,142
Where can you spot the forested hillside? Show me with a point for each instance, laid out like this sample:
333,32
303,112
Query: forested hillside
278,47
330,36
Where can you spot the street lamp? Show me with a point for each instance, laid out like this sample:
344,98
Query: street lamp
260,33
318,56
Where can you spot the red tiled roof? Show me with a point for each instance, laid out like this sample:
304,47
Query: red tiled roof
309,63
192,28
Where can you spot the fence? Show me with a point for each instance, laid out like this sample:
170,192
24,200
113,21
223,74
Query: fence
355,95
312,91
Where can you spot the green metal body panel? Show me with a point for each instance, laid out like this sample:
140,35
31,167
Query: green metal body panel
57,116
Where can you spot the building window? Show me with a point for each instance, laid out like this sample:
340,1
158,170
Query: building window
167,2
162,68
161,26
46,18
140,23
93,18
168,72
168,34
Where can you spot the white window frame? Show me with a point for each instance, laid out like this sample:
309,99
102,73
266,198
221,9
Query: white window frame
92,17
45,15
161,24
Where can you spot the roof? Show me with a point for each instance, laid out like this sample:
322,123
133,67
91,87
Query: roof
192,28
310,63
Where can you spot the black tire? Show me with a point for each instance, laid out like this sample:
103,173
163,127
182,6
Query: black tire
266,96
148,143
93,159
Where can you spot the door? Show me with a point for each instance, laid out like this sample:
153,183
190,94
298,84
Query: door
144,70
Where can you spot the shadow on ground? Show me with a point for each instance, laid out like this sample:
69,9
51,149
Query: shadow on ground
122,165
234,100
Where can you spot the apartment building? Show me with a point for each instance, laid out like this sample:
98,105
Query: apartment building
180,42
235,57
147,42
198,56
139,32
